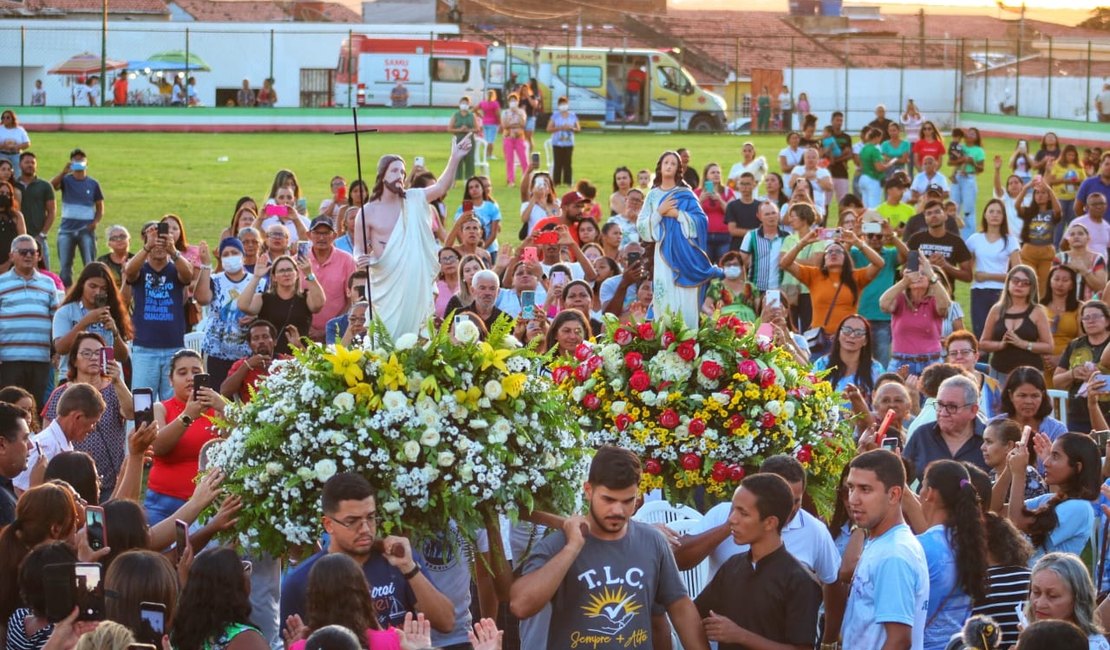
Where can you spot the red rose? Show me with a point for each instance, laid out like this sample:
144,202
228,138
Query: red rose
594,362
646,331
720,472
652,466
724,321
749,368
741,328
560,374
805,454
639,381
710,369
736,473
745,354
687,351
691,462
634,360
623,421
697,427
582,373
736,421
582,352
622,336
767,421
765,345
766,377
591,402
668,338
668,418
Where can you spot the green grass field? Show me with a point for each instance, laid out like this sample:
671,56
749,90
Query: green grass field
146,175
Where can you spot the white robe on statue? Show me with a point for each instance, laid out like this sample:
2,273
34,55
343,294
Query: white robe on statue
402,280
666,295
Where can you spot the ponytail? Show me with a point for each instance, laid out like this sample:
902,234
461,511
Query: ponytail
964,529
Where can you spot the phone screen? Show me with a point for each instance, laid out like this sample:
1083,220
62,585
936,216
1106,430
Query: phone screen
303,247
94,527
890,443
152,619
89,591
528,304
529,254
182,531
633,257
144,406
913,261
200,380
418,161
558,277
535,159
163,228
773,298
467,206
708,186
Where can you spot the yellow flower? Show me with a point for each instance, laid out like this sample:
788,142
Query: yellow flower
513,384
364,393
491,357
430,386
345,364
393,374
469,397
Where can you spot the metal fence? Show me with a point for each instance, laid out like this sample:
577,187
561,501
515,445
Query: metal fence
1032,76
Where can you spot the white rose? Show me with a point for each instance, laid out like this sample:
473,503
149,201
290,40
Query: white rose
411,450
618,407
462,444
445,459
478,423
325,469
391,507
393,400
273,468
789,409
466,332
430,438
774,408
493,389
344,402
306,473
466,472
406,341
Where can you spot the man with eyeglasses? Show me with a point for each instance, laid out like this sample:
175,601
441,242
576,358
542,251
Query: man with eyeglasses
957,433
1095,222
276,244
28,300
398,585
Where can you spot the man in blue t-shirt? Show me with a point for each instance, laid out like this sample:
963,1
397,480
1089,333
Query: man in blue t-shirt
82,210
1099,183
889,597
157,275
398,585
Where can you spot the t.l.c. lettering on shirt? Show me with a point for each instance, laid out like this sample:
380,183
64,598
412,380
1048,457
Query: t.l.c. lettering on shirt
612,608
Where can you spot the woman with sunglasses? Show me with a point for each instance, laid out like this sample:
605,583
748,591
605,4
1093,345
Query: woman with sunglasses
1016,332
849,361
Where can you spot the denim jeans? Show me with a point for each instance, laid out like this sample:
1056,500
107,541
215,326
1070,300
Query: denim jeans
160,506
68,242
871,190
880,341
719,243
981,302
968,195
150,368
915,366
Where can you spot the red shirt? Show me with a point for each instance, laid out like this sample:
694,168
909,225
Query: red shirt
715,211
254,375
636,79
933,148
173,473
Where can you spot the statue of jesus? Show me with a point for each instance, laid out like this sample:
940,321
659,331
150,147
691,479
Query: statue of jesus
402,252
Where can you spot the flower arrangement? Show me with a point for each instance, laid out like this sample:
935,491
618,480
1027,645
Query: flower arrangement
445,429
704,407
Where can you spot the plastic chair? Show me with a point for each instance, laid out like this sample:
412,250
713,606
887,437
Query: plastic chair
549,156
663,512
481,164
1059,404
194,340
695,578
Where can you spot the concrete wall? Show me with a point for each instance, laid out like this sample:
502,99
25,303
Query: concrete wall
1068,95
934,92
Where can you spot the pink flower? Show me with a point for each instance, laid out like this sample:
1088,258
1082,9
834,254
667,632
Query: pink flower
622,336
582,373
582,352
594,362
749,368
766,377
668,338
560,374
668,418
591,402
634,360
646,331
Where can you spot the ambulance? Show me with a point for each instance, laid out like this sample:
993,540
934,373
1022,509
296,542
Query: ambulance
433,72
595,80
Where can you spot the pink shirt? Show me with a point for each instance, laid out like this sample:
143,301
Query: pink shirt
915,331
332,275
715,211
376,639
443,297
491,112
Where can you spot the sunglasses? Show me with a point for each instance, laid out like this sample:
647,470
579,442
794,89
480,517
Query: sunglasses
25,251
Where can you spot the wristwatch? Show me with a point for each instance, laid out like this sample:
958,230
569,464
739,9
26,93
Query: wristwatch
412,574
186,420
311,277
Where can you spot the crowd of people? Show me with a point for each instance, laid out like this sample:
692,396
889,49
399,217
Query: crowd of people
975,509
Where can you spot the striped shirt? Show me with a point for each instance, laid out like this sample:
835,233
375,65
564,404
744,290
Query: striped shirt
27,307
17,638
763,254
1007,588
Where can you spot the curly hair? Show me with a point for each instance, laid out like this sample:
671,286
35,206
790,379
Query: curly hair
215,597
338,594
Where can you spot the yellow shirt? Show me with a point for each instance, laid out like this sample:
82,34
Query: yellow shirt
1068,189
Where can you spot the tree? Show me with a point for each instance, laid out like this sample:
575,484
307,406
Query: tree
1100,19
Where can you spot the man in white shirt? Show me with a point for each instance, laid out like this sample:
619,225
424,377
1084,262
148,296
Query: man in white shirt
928,177
1095,223
820,180
79,410
805,537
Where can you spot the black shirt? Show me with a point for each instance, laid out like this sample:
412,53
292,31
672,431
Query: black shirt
883,126
744,215
950,246
840,169
917,224
691,177
780,598
7,501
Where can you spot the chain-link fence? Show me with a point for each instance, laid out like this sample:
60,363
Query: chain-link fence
1030,77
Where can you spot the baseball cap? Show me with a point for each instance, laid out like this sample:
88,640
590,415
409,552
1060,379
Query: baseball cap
572,197
322,221
933,188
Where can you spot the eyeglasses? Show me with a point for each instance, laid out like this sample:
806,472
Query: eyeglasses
25,251
853,332
356,523
89,354
1095,316
949,409
1020,282
450,259
963,352
276,235
117,238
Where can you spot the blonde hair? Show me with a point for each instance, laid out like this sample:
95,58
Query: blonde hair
108,635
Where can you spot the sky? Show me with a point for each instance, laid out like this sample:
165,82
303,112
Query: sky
1047,10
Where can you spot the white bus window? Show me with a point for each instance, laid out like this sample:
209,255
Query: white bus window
585,76
674,79
450,70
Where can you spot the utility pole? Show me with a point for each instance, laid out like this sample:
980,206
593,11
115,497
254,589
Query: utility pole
921,33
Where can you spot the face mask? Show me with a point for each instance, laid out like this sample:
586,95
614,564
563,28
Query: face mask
513,104
464,107
564,107
233,263
732,272
78,166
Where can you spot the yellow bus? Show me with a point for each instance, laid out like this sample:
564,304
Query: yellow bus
596,81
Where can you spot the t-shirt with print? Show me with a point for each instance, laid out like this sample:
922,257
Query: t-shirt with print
445,559
1079,352
391,593
949,605
159,316
1039,226
950,246
225,338
605,600
890,585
